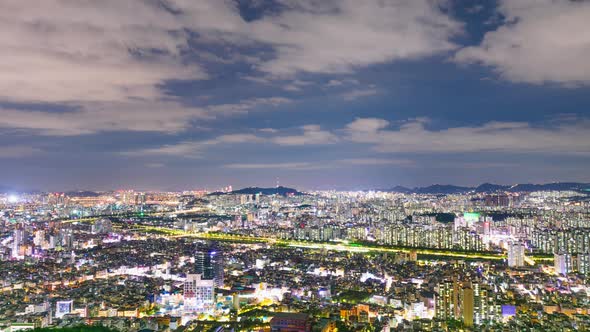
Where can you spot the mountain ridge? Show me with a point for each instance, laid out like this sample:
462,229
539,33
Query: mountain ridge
280,190
492,188
432,189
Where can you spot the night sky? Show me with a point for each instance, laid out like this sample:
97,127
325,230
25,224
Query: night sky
319,94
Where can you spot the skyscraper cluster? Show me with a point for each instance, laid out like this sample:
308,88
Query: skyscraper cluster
199,286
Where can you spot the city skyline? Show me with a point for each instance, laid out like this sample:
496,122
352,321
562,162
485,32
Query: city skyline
175,95
494,258
294,165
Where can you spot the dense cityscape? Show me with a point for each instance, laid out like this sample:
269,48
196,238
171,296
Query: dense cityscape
294,165
276,259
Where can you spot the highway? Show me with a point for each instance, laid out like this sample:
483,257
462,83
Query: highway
350,247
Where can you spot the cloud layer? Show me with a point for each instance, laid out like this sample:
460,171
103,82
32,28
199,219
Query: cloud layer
339,163
63,51
94,117
165,83
410,137
60,50
108,59
541,41
512,137
338,36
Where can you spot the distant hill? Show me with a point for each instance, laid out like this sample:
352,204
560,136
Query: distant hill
283,191
491,188
557,186
397,189
442,189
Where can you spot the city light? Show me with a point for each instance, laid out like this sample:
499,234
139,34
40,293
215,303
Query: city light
294,165
13,198
201,255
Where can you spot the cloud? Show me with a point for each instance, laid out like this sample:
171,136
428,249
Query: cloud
312,135
359,93
539,41
194,149
63,51
109,60
291,88
413,137
327,164
237,138
18,151
155,165
375,161
338,83
105,60
167,117
133,115
290,166
245,106
338,36
366,126
186,149
296,85
268,130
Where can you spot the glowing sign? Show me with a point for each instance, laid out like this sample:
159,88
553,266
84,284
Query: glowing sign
471,216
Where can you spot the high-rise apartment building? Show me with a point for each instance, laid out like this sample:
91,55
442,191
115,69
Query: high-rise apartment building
515,254
563,263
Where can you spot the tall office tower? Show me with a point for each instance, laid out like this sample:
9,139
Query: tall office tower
515,254
209,263
563,263
198,293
